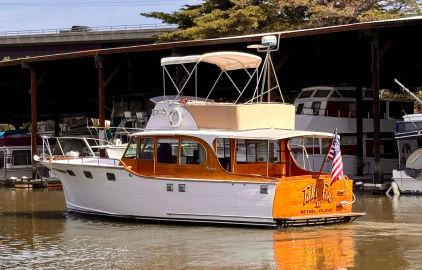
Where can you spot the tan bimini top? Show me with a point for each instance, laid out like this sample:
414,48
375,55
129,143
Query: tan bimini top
226,61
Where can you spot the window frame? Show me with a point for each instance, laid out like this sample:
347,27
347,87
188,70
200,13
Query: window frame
200,145
29,160
138,154
157,139
127,149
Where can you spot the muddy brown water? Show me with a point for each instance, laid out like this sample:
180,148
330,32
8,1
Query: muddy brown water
36,232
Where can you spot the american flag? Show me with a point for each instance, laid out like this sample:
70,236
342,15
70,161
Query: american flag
335,155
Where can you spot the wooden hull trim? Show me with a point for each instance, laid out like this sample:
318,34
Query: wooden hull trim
317,220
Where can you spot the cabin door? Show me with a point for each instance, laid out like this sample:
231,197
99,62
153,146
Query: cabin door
223,149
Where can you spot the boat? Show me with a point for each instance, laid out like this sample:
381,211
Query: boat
208,162
408,135
324,108
15,155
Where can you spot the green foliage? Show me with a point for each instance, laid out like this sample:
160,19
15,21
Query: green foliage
6,127
218,18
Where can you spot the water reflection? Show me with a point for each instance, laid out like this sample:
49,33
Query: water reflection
36,232
314,249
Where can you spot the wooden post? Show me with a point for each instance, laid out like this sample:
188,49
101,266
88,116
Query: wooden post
101,91
33,93
99,63
376,107
359,128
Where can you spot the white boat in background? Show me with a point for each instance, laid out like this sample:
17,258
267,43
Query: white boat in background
209,162
15,155
408,176
325,108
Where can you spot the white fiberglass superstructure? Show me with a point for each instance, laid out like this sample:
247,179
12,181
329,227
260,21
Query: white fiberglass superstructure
325,108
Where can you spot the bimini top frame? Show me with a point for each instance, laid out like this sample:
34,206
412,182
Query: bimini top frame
226,61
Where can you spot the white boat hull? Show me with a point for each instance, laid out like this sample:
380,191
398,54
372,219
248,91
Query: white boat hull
147,198
406,183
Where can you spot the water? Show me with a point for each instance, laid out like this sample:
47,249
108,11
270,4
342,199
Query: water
36,232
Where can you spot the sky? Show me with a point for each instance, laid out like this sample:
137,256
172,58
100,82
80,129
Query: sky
52,14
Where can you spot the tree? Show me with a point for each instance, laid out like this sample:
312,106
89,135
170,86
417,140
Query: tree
217,18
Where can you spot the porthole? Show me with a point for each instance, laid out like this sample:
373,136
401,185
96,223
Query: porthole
263,189
111,177
170,187
88,174
182,188
70,172
60,171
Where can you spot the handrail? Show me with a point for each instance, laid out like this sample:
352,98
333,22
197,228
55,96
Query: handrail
86,29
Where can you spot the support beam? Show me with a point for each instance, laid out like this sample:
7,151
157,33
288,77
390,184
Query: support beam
359,128
360,64
99,63
56,123
101,91
33,93
378,177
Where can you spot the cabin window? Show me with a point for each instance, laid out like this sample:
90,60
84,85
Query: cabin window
241,151
1,159
348,140
192,153
146,149
299,108
368,94
263,189
111,177
131,149
347,93
315,107
182,187
167,151
252,151
21,157
306,94
335,94
88,174
70,172
169,187
223,148
322,93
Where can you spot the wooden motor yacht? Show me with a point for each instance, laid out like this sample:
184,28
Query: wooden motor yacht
209,162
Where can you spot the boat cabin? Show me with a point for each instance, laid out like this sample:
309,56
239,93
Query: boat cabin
340,101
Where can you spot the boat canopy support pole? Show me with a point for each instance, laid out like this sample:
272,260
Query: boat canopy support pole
33,93
378,178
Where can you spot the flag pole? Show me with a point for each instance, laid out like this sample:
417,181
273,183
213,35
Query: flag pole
325,158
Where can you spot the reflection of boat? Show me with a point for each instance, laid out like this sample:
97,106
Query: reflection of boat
321,249
174,170
324,108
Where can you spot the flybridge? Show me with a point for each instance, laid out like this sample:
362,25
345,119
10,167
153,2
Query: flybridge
182,112
228,61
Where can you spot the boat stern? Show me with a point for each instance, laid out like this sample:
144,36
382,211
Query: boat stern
304,200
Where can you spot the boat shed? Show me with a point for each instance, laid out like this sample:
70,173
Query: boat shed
370,54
